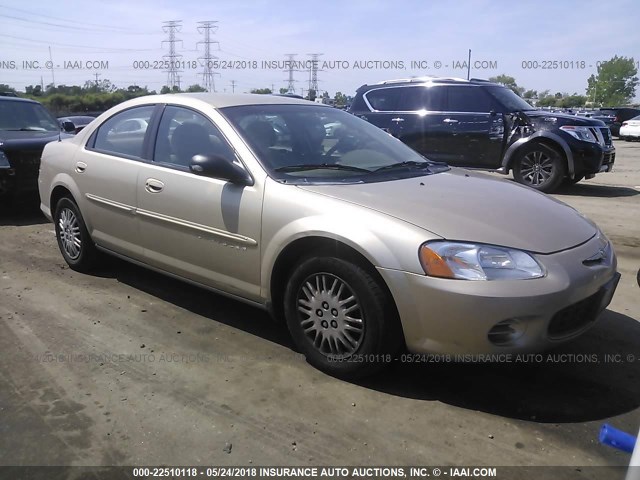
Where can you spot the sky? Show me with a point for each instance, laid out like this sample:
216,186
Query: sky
361,41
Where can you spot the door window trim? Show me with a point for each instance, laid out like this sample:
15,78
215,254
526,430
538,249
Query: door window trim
183,168
90,143
423,112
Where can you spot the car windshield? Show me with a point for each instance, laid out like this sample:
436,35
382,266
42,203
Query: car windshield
26,116
306,143
508,99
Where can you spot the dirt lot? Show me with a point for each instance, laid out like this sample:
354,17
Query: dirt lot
126,367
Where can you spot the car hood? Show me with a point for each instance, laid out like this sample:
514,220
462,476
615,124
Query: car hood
560,119
27,140
468,206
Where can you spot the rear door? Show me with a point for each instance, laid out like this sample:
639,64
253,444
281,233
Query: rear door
477,131
382,104
421,121
107,173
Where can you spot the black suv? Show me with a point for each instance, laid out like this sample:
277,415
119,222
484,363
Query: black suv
25,128
479,124
619,114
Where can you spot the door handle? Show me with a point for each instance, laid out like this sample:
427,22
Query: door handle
153,186
450,120
81,167
397,119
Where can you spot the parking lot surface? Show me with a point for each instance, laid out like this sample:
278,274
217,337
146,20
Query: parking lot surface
127,367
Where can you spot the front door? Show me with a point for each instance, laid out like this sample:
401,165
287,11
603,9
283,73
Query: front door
200,228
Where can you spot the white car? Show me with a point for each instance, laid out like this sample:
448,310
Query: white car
630,129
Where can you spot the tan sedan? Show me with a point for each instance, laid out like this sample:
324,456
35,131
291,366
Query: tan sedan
364,246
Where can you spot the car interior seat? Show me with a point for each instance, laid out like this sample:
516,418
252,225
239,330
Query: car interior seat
190,139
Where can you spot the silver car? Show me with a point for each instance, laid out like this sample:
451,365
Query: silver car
364,247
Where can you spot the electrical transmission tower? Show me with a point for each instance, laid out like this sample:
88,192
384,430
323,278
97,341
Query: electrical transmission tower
291,87
173,72
207,28
313,73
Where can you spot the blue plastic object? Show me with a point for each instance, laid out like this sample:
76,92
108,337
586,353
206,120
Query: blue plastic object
617,438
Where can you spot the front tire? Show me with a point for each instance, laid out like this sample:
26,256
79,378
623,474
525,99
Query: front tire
539,166
572,181
75,244
340,317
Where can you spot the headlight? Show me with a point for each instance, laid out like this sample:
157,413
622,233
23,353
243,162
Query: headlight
468,261
4,161
581,133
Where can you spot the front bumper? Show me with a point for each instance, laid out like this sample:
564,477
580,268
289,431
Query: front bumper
591,158
458,316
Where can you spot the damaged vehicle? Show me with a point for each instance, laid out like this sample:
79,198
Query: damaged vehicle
25,128
478,124
362,245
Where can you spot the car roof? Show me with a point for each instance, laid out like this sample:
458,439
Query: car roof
221,100
16,99
430,80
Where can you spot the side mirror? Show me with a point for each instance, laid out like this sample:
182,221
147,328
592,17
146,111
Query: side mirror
68,126
220,167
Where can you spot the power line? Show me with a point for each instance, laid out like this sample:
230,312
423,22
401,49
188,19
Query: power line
172,27
66,27
78,46
36,14
207,28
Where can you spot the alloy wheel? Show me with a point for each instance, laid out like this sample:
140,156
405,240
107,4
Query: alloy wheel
69,232
537,167
330,315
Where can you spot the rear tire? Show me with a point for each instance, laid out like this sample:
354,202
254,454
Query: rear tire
75,244
340,317
539,166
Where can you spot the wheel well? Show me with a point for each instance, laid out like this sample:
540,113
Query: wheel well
297,250
547,143
58,193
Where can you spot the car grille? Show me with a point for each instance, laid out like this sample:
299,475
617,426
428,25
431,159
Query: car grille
26,165
574,318
602,134
606,134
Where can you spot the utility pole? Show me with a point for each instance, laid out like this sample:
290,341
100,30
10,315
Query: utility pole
233,86
291,87
469,65
53,77
313,73
207,28
97,75
171,28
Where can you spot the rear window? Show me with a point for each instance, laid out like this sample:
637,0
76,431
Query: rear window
384,99
124,133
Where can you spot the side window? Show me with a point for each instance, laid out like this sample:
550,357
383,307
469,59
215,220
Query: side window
384,99
123,134
184,133
417,98
468,99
